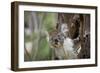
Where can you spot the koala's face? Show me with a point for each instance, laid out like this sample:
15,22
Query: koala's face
57,40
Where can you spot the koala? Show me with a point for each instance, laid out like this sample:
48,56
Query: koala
61,44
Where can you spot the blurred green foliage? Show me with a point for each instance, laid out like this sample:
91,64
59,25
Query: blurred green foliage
50,21
44,50
47,23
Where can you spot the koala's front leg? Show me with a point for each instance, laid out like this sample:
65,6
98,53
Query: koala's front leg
55,55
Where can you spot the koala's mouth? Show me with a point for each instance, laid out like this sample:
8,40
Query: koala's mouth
57,45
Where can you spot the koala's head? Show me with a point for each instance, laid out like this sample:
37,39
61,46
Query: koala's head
57,39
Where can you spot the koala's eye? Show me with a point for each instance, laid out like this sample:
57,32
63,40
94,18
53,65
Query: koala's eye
58,35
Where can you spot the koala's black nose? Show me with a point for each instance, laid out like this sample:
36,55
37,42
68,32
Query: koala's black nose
56,40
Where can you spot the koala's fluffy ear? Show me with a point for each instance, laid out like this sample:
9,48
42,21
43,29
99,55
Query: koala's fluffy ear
64,28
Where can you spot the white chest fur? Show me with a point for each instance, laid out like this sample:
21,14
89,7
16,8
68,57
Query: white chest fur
67,52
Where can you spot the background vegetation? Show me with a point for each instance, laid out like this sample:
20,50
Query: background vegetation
37,26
